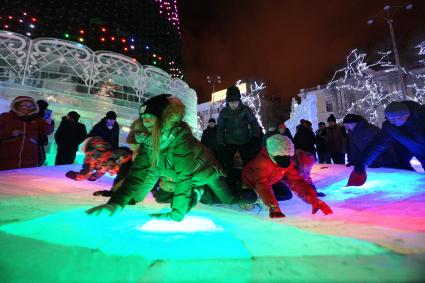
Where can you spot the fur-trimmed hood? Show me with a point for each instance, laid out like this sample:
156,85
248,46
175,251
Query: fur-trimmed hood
18,99
170,118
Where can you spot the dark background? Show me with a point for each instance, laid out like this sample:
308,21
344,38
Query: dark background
290,44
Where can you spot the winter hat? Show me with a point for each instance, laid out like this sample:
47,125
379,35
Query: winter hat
278,145
18,99
211,120
74,115
332,118
396,108
351,119
111,115
42,104
233,94
155,105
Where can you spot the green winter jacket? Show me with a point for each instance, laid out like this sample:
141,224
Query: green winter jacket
183,160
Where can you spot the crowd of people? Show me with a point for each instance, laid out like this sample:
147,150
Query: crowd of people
233,164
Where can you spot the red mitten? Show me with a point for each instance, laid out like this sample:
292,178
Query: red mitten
71,175
319,204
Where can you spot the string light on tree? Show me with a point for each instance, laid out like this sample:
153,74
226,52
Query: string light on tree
252,98
366,93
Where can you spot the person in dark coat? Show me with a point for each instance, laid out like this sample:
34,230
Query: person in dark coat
69,135
238,130
321,144
168,151
404,124
43,140
209,137
108,129
19,132
273,165
336,139
361,134
304,138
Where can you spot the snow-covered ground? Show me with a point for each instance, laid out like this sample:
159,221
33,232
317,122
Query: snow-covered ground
376,234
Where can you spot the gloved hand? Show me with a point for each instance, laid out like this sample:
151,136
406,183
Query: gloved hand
161,216
359,168
92,177
319,204
109,209
71,175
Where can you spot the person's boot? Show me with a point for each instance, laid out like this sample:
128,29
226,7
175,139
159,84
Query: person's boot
275,212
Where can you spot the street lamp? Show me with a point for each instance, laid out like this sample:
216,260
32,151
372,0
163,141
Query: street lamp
389,19
213,79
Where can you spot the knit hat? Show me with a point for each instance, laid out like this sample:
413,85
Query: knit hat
278,145
111,115
331,118
18,99
42,104
396,108
233,94
211,120
155,105
74,115
351,119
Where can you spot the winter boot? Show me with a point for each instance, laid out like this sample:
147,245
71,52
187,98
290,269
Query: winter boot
275,212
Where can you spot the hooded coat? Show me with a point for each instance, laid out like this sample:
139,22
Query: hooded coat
411,135
261,173
183,161
21,151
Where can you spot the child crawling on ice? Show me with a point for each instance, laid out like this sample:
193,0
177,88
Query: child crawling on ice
101,159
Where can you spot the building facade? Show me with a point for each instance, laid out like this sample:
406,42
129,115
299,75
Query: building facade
367,97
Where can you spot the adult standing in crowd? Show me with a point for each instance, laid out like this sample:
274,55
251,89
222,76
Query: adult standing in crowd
20,129
321,144
69,135
209,137
304,138
336,139
238,130
108,129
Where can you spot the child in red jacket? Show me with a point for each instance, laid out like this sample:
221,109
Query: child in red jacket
100,159
275,164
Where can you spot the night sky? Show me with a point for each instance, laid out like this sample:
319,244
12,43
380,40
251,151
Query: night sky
288,44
